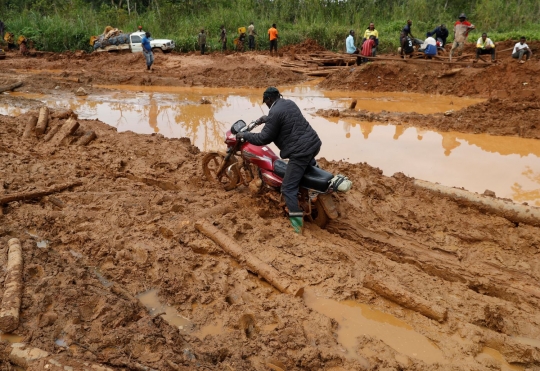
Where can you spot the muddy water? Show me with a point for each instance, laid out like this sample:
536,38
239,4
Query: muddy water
506,165
151,301
499,359
356,319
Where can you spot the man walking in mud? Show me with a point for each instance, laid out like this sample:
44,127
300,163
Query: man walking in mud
251,36
462,27
147,51
273,37
297,141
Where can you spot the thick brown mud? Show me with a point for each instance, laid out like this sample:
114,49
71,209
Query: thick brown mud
117,277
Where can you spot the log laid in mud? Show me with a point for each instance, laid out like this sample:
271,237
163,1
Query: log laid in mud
43,120
37,194
506,209
52,132
87,138
69,127
405,298
30,127
11,87
11,301
256,265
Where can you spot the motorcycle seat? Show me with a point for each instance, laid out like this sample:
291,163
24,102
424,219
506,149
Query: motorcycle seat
314,177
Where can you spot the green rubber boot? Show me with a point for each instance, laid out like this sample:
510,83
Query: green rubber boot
297,223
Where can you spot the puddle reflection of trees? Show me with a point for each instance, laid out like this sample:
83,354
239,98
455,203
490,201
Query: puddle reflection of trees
521,195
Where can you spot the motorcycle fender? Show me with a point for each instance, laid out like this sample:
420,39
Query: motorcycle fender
328,205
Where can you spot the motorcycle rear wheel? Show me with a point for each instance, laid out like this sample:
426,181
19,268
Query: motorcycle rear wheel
228,179
319,215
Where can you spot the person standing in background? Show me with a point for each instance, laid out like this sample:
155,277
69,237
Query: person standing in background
462,27
372,31
273,37
251,36
202,41
223,38
147,51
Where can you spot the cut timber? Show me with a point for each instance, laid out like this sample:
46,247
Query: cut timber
506,209
37,194
87,138
10,87
30,127
52,132
11,301
353,104
422,61
230,246
69,127
319,73
405,298
43,120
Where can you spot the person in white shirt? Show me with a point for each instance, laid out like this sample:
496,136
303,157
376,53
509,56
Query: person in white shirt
429,47
484,45
521,49
351,47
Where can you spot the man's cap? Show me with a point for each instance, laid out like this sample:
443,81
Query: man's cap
270,92
462,15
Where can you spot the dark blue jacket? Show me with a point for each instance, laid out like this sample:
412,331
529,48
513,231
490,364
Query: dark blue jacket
439,33
289,130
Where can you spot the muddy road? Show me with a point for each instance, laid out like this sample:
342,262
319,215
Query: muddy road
117,276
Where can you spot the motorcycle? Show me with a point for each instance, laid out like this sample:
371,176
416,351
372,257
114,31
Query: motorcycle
258,167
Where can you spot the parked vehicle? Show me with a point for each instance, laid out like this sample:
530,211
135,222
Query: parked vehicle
260,168
131,42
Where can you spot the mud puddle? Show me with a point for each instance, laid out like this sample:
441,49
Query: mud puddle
506,165
151,301
356,319
499,359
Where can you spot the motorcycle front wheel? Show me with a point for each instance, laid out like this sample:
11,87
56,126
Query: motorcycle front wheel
228,178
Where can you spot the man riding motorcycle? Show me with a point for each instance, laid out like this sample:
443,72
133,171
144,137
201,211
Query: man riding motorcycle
293,135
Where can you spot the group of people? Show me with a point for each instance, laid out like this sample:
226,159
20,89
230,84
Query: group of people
435,40
251,33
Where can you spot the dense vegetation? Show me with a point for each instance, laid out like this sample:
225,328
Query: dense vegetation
59,25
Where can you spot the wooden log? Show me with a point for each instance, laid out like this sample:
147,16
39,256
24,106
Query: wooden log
87,138
353,104
43,120
270,274
69,127
37,194
11,300
405,298
52,132
422,61
30,127
11,87
319,73
56,202
506,209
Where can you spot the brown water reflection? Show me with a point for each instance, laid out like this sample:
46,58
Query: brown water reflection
505,165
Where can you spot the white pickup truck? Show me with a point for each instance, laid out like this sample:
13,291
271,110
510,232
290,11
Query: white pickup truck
134,44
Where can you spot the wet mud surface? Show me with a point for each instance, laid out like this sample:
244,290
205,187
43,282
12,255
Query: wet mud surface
116,275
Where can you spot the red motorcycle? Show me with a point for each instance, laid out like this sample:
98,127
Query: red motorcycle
260,168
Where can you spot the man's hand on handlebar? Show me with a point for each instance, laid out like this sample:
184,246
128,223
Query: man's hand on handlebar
240,137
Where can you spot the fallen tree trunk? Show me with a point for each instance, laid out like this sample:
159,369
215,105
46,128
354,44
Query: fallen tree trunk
256,265
11,301
43,120
11,87
30,127
506,209
406,299
37,194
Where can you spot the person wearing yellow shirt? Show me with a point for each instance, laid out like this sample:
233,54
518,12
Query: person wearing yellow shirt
369,32
484,45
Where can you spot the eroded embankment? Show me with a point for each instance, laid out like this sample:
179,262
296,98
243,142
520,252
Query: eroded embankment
129,228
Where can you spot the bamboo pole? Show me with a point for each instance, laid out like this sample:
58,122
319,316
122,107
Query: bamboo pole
264,270
43,120
506,209
405,298
11,301
37,194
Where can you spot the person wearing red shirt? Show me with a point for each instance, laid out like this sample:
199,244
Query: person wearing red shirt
367,47
461,32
